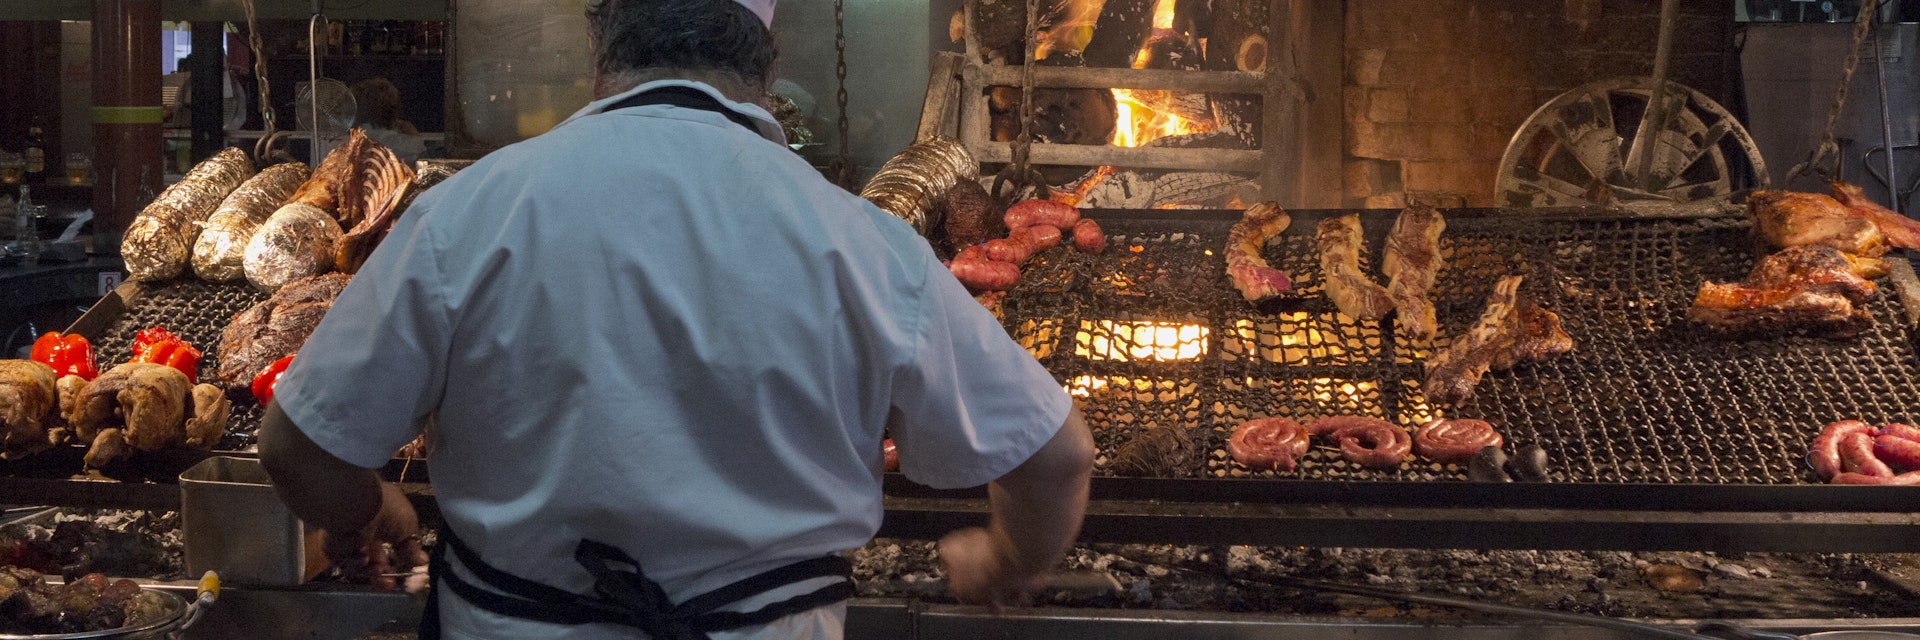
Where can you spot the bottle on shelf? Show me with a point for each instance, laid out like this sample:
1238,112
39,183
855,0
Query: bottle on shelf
26,236
36,153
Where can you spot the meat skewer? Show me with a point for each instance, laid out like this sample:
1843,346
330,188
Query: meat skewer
1411,262
1338,240
1252,276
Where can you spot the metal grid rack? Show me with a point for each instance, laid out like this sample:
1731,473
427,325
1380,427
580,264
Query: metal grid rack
1152,335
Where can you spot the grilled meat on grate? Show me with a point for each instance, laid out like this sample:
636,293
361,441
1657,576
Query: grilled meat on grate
1792,219
1900,231
1809,286
1338,240
275,328
1412,262
1250,273
28,398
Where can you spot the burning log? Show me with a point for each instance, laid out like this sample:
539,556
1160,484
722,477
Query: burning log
1123,28
1237,41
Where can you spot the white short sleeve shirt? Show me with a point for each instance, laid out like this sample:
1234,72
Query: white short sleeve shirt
655,328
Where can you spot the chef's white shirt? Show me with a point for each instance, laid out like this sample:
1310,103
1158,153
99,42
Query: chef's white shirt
654,328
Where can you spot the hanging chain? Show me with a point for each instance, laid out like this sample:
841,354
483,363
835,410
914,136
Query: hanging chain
1019,173
260,148
844,173
1829,149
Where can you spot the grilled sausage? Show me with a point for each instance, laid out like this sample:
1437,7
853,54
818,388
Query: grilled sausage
1454,441
985,275
1027,213
1087,236
1268,443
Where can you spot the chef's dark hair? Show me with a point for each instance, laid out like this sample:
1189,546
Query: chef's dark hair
703,35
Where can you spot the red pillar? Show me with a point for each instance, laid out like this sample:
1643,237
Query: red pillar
126,116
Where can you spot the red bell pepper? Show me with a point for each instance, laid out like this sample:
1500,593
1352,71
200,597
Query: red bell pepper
68,354
149,336
174,353
269,377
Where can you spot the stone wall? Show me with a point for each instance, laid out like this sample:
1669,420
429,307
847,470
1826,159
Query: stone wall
1435,88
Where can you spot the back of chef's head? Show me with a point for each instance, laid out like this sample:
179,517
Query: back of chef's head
633,37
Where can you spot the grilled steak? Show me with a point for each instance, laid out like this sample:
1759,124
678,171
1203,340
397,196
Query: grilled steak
274,328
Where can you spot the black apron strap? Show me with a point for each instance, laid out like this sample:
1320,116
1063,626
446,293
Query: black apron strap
624,595
686,97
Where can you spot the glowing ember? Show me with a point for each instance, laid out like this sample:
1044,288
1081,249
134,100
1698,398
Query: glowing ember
1139,340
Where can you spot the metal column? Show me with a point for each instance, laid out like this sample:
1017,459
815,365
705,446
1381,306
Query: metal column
126,115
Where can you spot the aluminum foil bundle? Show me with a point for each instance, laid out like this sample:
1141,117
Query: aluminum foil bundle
296,242
910,184
217,254
159,243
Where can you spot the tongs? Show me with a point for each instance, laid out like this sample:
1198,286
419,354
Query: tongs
1702,631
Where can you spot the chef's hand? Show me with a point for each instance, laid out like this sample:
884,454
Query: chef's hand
981,569
388,544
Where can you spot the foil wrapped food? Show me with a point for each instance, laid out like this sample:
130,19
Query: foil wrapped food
296,242
910,185
219,254
159,242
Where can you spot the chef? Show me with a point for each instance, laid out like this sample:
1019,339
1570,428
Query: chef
659,352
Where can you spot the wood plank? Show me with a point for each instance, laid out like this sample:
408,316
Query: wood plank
1164,79
1280,122
1248,161
939,114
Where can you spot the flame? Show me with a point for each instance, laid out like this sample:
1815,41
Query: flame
1142,116
1349,392
1126,340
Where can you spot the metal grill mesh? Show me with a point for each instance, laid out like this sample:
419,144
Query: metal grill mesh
1644,397
198,312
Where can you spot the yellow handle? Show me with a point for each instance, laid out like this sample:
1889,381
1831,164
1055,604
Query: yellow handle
210,584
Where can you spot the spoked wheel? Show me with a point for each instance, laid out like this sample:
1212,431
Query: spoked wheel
1573,150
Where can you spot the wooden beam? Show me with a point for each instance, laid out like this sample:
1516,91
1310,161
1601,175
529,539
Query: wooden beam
939,114
1239,160
1280,118
1324,67
1160,79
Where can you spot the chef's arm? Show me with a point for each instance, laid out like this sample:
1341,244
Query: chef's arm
321,489
1038,506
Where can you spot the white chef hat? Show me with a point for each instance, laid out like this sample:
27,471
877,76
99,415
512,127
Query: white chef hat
762,8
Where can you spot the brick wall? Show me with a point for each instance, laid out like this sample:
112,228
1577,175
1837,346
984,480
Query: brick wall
1435,88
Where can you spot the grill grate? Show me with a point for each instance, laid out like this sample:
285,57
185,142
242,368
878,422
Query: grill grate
197,311
1645,397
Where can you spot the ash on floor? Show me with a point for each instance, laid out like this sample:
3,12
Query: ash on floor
72,542
1660,585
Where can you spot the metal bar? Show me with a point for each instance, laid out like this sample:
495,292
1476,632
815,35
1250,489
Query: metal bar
1157,79
974,121
1777,499
1418,528
1886,116
1135,157
1640,155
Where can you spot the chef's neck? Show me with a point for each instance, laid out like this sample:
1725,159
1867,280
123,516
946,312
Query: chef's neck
730,84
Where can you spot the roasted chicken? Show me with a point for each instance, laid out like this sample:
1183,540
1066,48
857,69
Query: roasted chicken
146,406
1901,231
1792,219
29,396
1810,286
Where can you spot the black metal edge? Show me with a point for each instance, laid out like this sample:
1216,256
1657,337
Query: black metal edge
1219,524
1558,214
1809,498
90,495
109,308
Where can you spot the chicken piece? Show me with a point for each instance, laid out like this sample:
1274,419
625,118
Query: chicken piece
1791,219
275,328
109,445
1411,263
1339,242
1813,287
1452,373
1256,280
1900,231
148,401
208,417
28,398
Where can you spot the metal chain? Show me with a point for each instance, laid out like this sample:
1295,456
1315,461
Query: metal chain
1023,145
1829,149
844,174
269,128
